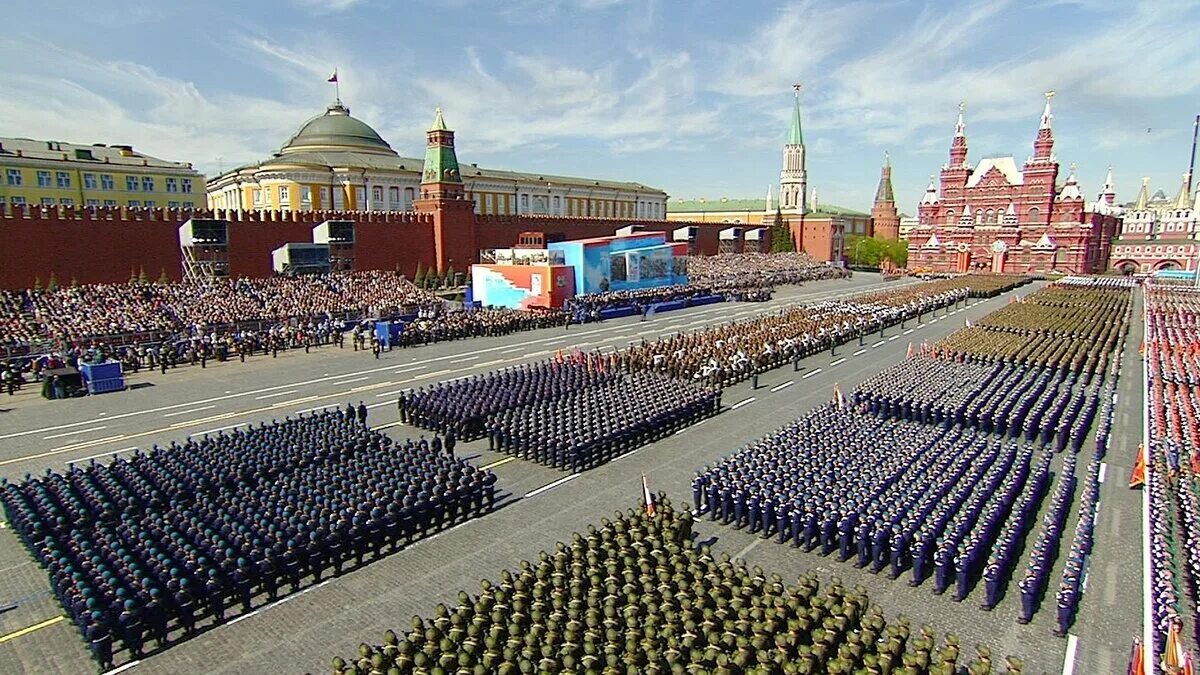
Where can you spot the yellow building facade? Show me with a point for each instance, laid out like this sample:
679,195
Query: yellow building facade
53,173
337,162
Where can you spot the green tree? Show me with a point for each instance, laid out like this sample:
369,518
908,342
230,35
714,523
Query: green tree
37,283
52,284
419,277
781,236
449,281
142,278
898,252
163,279
132,275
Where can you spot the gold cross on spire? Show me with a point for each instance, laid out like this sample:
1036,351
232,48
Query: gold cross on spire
796,87
1049,95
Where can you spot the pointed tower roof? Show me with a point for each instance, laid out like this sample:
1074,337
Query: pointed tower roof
796,133
1143,197
884,192
769,209
1109,190
931,193
960,129
1047,116
1070,189
1182,200
439,124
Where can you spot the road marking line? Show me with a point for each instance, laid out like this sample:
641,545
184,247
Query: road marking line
356,379
202,420
103,454
65,448
860,352
74,433
907,332
834,363
29,629
294,401
551,486
218,429
880,343
392,393
1069,661
497,463
810,374
739,404
243,616
369,387
785,385
278,393
894,337
184,412
1103,470
123,668
386,426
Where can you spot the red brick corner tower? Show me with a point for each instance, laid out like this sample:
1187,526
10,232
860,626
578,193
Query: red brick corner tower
885,221
444,197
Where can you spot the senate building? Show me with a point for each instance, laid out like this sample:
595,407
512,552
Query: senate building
337,162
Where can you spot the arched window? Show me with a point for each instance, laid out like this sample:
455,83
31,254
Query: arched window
991,217
1034,213
950,216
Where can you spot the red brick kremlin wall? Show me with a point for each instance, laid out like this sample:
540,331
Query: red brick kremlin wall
103,245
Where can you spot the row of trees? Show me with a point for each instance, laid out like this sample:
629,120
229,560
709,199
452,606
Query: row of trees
872,251
431,279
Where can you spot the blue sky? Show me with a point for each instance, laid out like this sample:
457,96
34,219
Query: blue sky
692,96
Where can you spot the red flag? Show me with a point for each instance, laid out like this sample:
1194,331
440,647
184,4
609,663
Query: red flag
1138,477
1136,666
333,77
909,353
647,497
837,396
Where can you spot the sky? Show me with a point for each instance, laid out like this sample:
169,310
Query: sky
690,96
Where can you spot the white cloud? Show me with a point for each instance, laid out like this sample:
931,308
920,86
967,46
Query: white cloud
116,101
791,46
328,6
536,98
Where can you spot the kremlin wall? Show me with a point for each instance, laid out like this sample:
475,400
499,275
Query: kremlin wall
103,245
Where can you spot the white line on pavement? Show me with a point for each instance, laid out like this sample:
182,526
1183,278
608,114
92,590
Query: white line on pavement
551,486
278,393
123,667
184,412
880,343
74,433
1069,661
103,454
218,429
810,374
909,331
894,337
834,363
860,352
357,379
741,403
785,385
1103,470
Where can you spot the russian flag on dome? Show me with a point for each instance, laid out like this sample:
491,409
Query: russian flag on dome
333,77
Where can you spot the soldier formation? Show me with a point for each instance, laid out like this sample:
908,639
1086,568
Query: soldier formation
1171,349
940,464
635,595
164,539
1037,403
590,426
727,354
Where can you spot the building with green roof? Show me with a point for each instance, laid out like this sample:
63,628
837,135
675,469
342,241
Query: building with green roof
336,161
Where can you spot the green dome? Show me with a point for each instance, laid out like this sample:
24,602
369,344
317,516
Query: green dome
338,129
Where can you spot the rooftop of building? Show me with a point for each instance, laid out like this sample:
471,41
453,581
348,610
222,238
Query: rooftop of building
741,205
336,140
96,153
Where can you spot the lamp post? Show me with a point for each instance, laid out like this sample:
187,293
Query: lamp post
856,245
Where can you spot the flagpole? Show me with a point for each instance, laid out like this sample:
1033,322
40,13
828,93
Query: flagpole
337,86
